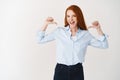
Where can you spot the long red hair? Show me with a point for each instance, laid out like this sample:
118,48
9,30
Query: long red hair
80,18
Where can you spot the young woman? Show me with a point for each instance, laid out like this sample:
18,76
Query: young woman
72,41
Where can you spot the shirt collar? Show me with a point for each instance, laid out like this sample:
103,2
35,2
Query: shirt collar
67,28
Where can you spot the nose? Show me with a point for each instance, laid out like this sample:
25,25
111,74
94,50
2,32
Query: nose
71,18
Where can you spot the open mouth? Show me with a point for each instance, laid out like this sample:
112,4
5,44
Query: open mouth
72,22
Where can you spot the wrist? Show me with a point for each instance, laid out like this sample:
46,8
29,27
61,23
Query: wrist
45,24
44,27
100,32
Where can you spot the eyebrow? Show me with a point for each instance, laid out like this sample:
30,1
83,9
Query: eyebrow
72,15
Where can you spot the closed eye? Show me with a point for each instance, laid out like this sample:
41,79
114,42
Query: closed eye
68,16
74,16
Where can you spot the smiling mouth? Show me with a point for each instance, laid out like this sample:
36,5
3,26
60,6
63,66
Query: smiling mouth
72,22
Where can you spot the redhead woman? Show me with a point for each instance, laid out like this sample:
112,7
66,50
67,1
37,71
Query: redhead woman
72,41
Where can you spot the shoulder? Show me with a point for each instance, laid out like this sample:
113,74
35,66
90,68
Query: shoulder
87,33
60,28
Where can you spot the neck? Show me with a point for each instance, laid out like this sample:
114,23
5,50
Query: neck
74,29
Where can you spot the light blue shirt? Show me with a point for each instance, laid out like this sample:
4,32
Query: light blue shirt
70,50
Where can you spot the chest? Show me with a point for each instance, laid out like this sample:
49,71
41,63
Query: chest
66,40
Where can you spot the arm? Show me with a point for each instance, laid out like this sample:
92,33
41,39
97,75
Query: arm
42,38
101,42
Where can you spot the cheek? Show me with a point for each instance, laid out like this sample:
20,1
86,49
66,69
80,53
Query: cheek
68,19
75,20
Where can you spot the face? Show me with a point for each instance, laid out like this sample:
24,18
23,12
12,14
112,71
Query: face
71,19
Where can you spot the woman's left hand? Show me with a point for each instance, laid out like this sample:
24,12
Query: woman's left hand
97,26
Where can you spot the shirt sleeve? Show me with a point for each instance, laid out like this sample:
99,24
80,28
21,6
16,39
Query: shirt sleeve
100,42
42,37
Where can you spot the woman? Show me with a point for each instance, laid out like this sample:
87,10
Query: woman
72,41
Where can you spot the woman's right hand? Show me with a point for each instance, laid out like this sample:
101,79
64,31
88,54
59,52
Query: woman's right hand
50,20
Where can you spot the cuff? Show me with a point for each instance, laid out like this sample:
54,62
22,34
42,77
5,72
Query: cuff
103,37
41,33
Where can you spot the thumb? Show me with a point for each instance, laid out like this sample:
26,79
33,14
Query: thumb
90,27
54,23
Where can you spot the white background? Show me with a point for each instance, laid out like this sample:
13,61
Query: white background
22,58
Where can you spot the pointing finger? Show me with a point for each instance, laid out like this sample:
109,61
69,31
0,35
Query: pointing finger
90,27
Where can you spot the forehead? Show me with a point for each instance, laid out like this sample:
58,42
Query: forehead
70,12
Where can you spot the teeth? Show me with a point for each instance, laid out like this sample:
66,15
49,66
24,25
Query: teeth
72,22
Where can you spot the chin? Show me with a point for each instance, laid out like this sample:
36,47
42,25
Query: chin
73,26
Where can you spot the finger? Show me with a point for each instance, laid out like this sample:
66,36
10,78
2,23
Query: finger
90,27
50,19
95,23
54,22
